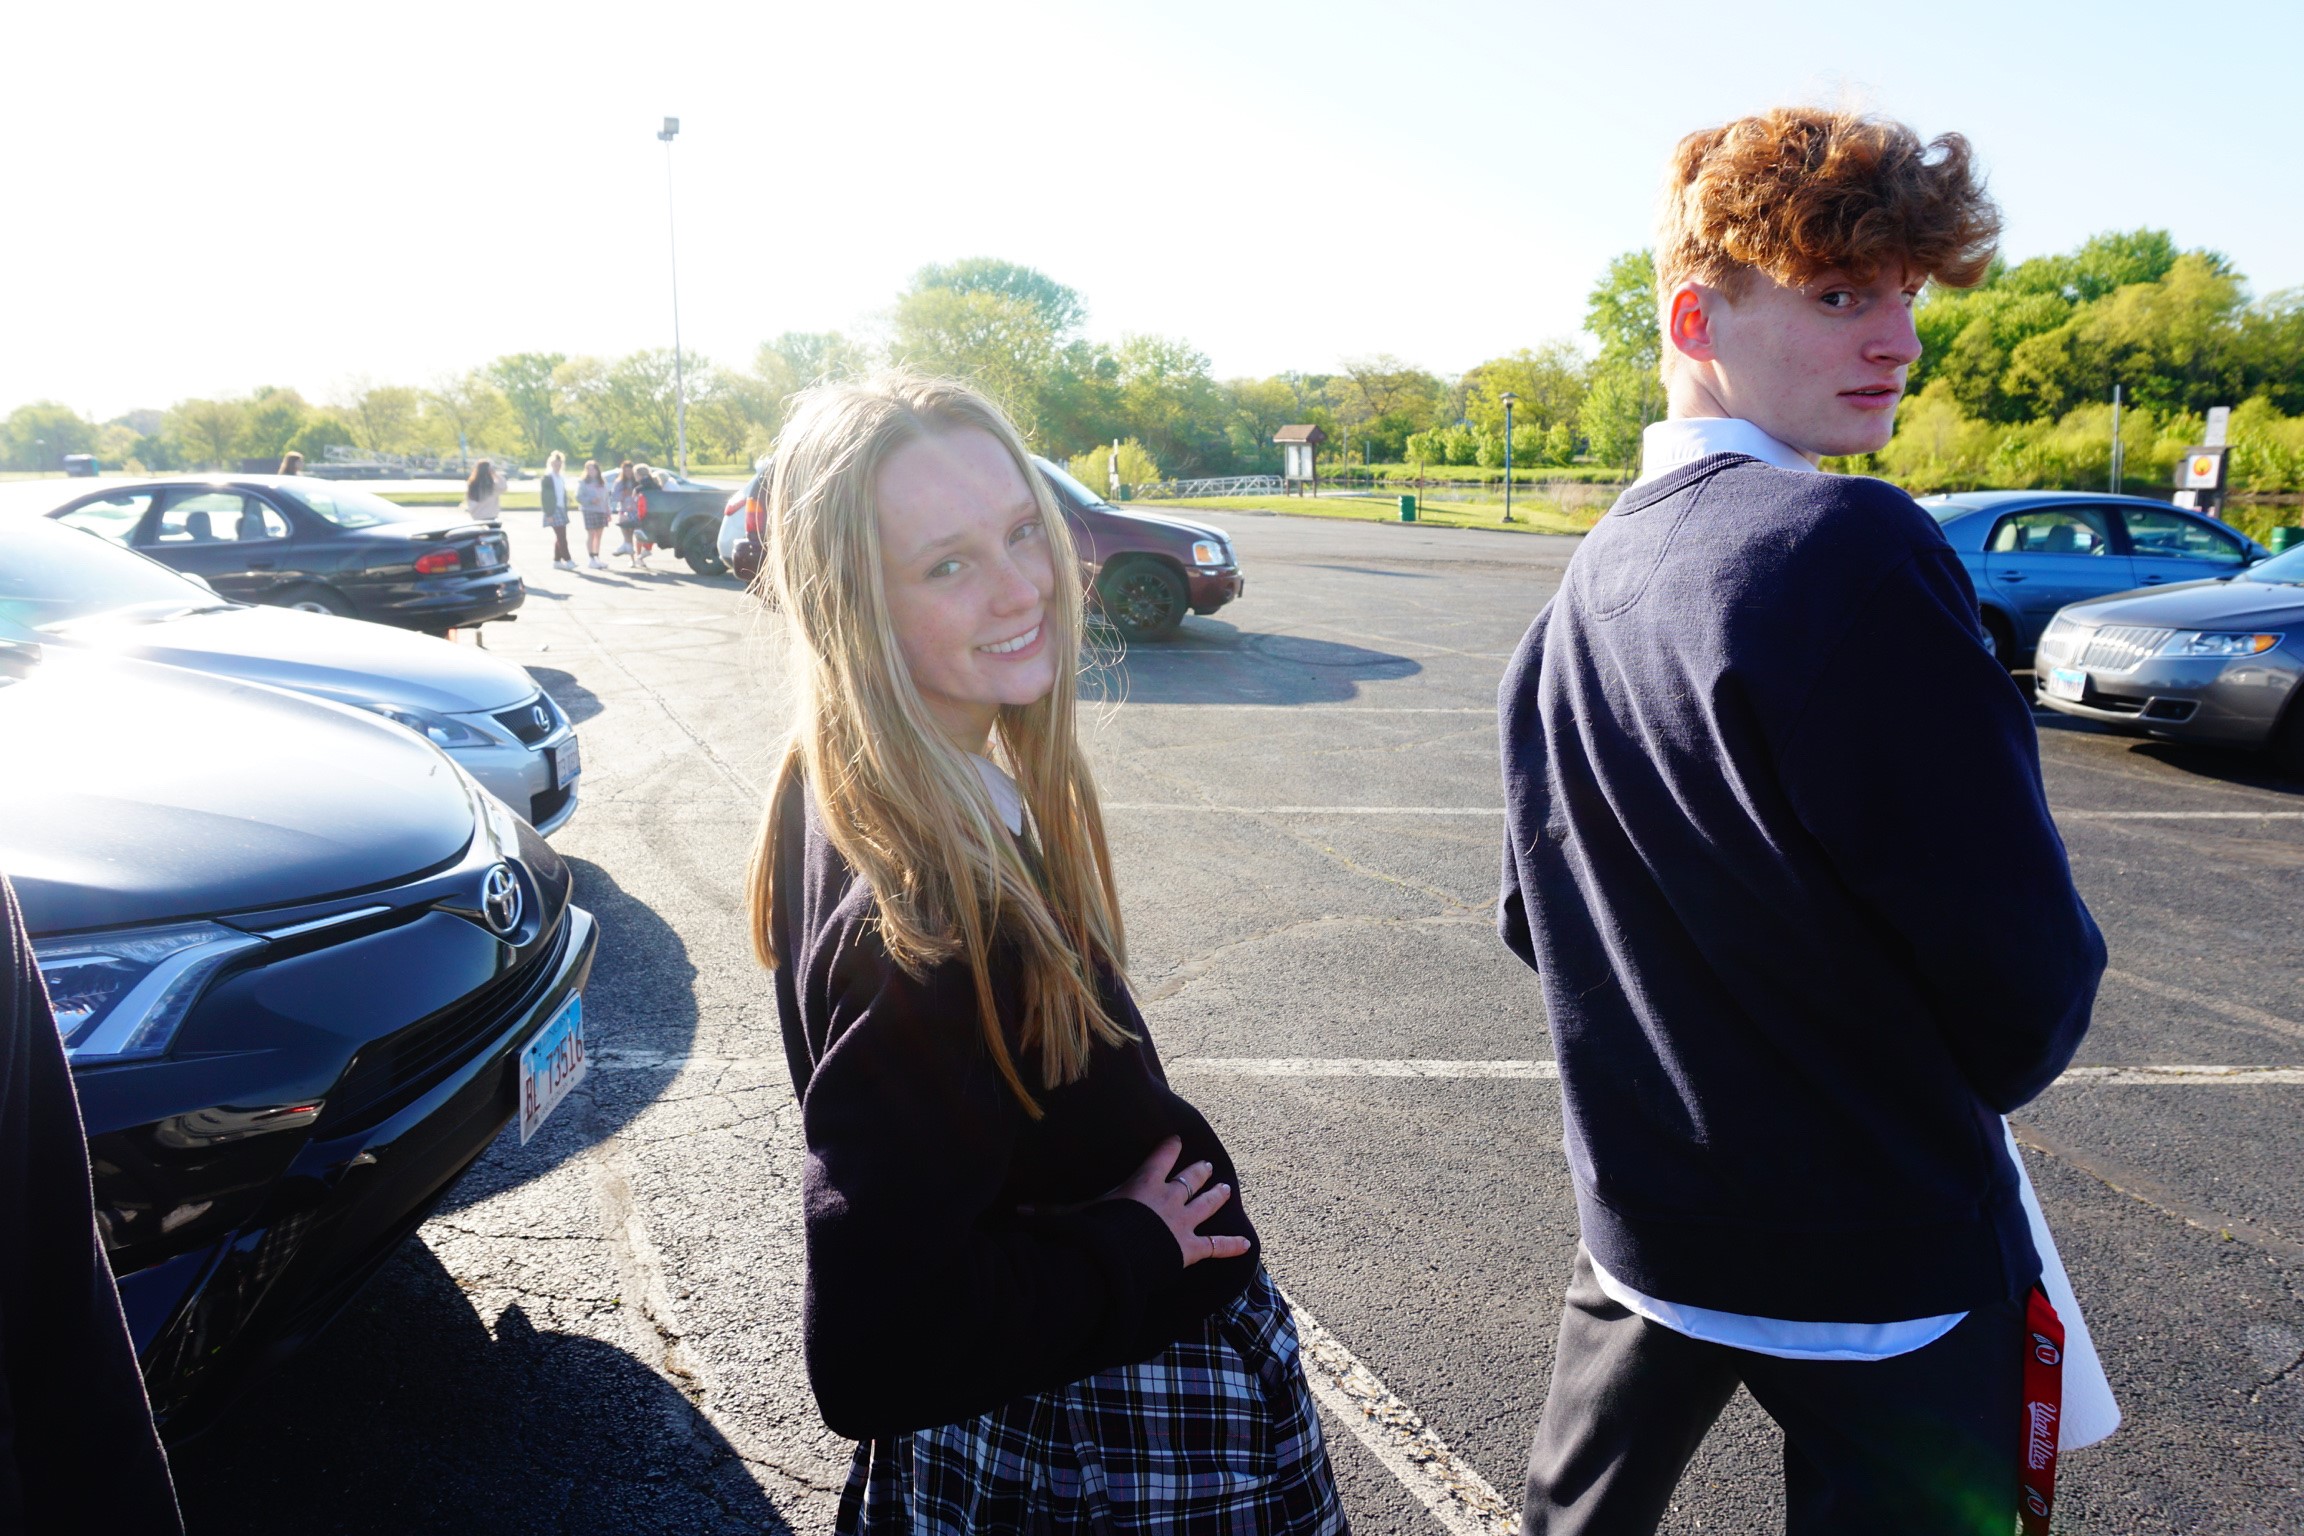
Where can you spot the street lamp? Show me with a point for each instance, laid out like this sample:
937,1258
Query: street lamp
1510,400
669,132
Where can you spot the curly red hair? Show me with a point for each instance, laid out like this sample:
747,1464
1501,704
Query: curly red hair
1798,191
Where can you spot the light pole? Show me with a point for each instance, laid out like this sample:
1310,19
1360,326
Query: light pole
669,132
1510,400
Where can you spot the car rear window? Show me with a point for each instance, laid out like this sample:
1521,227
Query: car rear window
348,506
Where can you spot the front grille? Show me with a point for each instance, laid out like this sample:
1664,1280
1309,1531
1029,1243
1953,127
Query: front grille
524,722
542,808
2119,647
394,1071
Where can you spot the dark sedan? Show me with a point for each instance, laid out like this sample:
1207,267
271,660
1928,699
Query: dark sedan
1146,571
2211,661
305,970
2031,552
319,545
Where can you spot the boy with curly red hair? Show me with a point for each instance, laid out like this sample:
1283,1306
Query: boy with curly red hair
1778,848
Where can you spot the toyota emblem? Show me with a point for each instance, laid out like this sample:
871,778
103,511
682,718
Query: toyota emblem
500,899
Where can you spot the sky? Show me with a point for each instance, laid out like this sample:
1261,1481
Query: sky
205,199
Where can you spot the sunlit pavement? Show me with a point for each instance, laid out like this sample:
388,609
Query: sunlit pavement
599,1333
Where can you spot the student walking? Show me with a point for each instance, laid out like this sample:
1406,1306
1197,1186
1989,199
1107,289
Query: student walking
1802,944
483,494
637,544
621,498
592,501
1033,1295
552,495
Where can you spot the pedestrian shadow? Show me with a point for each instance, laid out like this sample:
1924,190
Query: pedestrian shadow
2226,765
578,702
411,1414
1209,661
641,996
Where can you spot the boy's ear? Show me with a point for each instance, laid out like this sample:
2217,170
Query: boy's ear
1688,324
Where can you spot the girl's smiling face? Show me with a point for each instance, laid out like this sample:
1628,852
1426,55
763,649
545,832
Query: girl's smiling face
965,565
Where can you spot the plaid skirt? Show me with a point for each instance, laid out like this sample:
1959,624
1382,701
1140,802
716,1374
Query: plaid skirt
1214,1436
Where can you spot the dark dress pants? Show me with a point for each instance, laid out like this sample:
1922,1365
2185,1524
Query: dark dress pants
1924,1443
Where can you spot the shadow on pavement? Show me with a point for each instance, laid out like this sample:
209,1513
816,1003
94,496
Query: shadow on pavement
642,994
407,1415
2226,765
580,703
1211,662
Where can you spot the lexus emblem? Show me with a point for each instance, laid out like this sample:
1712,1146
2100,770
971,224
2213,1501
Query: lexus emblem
500,899
542,717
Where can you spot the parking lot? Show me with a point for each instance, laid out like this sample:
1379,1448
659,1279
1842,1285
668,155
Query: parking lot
599,1332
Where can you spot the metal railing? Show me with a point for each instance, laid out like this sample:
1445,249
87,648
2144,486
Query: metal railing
1222,485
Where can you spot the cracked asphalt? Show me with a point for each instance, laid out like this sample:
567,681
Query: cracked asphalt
598,1332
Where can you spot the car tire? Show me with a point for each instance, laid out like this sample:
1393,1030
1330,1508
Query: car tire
314,598
1144,598
2288,742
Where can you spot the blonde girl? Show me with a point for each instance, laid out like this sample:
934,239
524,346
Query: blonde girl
1034,1297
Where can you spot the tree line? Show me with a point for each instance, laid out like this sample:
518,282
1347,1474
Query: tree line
2013,388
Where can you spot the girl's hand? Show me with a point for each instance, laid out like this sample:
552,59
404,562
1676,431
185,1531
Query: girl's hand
1177,1198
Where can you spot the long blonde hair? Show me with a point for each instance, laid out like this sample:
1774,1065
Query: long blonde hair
903,805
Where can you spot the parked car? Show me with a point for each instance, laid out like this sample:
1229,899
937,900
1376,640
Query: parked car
77,589
319,545
2030,553
1145,571
684,517
305,971
2213,661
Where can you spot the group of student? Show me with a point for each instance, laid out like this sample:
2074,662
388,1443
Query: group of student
597,499
1788,1012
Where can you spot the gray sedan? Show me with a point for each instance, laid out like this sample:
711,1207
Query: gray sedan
2212,661
77,589
2030,553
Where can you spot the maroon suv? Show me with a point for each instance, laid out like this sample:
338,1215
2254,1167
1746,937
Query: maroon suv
1144,572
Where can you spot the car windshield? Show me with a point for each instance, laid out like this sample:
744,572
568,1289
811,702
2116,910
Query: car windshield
2281,570
350,507
51,574
1080,493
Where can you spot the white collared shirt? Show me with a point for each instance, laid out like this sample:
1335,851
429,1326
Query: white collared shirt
1007,799
1666,445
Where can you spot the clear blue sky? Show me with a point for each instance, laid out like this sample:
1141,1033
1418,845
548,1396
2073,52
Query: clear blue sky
208,198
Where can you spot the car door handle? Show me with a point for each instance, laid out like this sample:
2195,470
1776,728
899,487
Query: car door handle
260,565
2009,576
2153,581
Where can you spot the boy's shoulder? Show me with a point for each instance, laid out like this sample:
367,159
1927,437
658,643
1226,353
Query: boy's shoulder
1752,522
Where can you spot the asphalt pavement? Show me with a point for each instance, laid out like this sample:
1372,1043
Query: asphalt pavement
598,1332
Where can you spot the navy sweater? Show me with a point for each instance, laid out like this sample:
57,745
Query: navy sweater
931,1297
1777,844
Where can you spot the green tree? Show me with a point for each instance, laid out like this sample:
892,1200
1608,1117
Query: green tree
1620,311
206,433
1168,401
468,415
37,436
385,418
1094,467
528,382
1621,403
1001,344
269,423
1058,307
1549,383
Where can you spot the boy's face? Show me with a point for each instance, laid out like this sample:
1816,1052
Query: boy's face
1819,367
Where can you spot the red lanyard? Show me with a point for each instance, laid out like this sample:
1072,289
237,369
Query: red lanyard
2043,1411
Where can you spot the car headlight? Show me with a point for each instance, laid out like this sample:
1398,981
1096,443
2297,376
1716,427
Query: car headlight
441,730
2199,642
121,996
1210,552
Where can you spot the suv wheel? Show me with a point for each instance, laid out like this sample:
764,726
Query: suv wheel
1144,599
1999,639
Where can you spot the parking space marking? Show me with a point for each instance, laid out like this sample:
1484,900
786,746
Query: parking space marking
2063,815
2239,1013
1306,810
1397,1436
1546,1071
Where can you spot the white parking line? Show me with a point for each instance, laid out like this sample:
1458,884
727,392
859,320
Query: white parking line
1397,1436
1364,1066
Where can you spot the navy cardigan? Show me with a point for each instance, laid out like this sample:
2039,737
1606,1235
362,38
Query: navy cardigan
1778,846
931,1297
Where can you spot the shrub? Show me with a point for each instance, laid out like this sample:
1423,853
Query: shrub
1093,468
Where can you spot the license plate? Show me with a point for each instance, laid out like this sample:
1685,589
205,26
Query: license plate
2066,683
550,1064
494,552
566,764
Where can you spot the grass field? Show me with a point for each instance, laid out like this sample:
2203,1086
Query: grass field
1530,514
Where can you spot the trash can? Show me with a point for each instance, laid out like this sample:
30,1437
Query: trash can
2285,539
1407,509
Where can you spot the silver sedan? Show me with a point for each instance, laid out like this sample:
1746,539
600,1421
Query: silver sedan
74,588
2210,661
